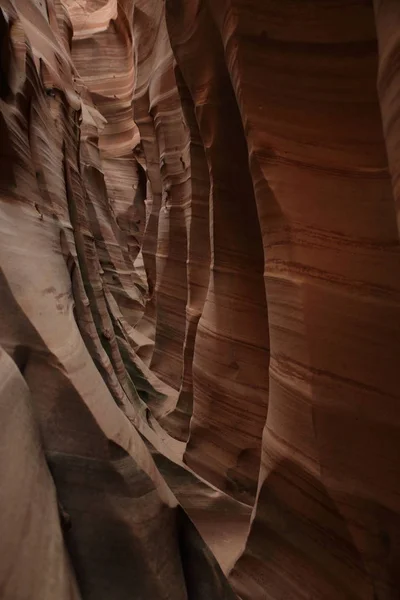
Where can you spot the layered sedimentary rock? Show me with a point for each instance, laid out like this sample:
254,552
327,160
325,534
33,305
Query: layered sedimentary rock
230,366
165,143
124,532
200,294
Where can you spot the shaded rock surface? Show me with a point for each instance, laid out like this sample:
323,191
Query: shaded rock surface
200,299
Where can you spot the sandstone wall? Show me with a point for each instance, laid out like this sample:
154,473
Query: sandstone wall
200,291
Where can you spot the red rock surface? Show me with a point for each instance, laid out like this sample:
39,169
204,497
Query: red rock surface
200,291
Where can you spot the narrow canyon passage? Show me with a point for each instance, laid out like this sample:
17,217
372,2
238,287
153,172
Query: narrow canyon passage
200,300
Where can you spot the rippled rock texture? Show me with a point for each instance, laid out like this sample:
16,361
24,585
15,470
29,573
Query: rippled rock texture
200,300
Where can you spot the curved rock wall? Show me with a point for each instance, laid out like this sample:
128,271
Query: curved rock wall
98,519
200,267
231,353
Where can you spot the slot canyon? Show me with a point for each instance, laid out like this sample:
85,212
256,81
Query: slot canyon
200,300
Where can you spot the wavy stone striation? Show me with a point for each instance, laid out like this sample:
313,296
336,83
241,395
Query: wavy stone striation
200,328
85,513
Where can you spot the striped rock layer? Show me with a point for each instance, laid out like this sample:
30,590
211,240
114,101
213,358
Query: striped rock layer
200,299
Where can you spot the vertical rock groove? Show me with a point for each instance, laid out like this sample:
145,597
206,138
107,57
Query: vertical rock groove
230,351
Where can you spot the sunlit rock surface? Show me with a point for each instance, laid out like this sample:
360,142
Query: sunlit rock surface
200,294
